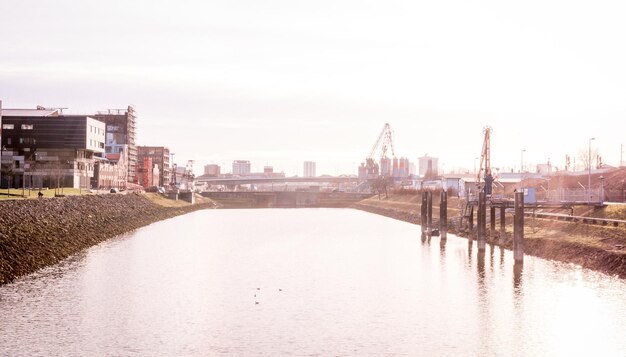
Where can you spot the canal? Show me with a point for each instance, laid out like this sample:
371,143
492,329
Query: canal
307,282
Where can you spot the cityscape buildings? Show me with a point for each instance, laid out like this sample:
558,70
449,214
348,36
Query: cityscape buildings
309,169
160,156
241,167
121,130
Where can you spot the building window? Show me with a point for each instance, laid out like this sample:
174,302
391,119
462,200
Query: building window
8,141
8,126
27,126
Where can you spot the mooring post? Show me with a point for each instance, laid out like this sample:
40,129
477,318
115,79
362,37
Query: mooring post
470,222
492,221
430,213
443,215
518,228
502,224
482,214
423,208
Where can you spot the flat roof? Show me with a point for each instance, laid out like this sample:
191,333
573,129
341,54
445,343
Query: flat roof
30,112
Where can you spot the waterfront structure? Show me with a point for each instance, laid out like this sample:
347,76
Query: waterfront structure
121,130
309,169
241,167
43,147
160,156
212,170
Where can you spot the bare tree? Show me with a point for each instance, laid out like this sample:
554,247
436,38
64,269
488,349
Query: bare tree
7,172
583,158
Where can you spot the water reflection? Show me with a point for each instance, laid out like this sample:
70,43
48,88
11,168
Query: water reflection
442,247
326,278
518,269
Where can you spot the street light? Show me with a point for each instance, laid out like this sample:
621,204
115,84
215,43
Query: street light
521,168
589,166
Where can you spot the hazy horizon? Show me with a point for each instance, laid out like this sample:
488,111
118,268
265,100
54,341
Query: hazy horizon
282,82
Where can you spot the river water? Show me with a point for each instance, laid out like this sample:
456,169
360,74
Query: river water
307,282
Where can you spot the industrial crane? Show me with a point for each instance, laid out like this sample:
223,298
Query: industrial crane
377,180
384,143
484,174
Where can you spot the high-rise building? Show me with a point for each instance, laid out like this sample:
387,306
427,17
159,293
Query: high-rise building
212,170
428,166
385,166
121,129
309,169
160,156
241,167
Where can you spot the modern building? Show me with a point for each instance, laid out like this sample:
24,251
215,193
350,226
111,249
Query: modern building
428,166
43,148
160,156
147,172
268,170
212,170
241,167
121,129
309,169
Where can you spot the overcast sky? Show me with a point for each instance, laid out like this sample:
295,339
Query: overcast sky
281,82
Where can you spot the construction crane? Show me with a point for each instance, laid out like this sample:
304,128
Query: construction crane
484,174
383,143
376,179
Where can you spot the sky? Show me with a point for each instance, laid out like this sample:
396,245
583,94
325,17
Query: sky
286,81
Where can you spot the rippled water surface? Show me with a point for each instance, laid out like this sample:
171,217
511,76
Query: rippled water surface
307,282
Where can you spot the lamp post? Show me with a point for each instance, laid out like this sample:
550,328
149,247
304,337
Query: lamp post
589,168
521,168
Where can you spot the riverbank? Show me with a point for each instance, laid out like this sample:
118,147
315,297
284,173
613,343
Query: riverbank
42,232
600,248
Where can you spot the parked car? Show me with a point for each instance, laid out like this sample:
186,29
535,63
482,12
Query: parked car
114,190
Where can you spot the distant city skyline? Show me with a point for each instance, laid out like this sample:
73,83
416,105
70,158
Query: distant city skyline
277,82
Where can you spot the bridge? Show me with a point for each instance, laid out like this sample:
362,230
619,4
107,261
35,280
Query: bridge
269,199
258,180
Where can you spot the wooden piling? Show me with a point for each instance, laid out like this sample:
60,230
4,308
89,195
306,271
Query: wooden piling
492,222
518,228
443,215
470,222
482,214
502,225
423,209
430,213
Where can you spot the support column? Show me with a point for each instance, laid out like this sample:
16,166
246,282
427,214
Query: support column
470,222
430,213
518,228
482,214
492,222
502,224
423,220
443,215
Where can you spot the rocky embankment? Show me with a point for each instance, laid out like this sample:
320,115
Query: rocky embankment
593,247
41,232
